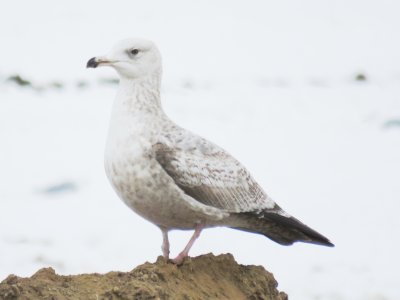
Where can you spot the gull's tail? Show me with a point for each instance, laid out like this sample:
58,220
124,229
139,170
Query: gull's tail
282,229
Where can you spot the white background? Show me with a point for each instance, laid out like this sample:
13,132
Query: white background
273,82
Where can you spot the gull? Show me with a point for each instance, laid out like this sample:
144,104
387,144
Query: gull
176,179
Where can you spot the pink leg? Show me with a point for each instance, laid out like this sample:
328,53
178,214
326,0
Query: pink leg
179,259
165,244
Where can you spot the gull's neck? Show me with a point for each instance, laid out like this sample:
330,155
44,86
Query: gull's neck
136,111
140,95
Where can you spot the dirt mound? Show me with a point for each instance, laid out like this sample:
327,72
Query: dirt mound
202,277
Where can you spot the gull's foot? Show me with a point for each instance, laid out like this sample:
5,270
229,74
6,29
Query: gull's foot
179,259
165,255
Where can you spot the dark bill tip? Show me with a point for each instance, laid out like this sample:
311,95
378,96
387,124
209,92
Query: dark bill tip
92,63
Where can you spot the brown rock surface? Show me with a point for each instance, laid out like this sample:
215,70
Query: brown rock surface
202,277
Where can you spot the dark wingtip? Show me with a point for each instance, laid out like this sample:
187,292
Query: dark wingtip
320,241
329,244
92,63
281,229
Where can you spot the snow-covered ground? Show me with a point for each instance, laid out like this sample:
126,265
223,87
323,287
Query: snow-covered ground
273,82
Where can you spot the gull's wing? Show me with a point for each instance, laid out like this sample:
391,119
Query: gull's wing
210,175
213,177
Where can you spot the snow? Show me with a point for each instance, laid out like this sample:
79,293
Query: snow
285,69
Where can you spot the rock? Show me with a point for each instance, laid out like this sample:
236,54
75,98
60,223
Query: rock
202,277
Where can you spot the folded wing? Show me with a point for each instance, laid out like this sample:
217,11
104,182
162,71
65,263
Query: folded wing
210,175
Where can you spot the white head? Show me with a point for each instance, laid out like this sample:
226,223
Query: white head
131,58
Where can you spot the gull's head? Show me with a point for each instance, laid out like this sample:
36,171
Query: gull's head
131,58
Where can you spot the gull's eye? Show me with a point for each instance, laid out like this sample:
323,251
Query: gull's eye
134,51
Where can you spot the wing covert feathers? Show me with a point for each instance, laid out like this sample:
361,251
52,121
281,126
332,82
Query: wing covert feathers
213,177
